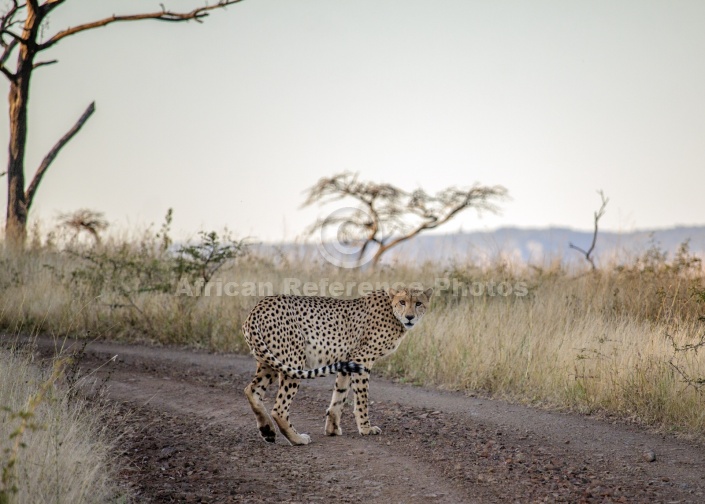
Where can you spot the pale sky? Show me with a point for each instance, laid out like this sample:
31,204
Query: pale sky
229,121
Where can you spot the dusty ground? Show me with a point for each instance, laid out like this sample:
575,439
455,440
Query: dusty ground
188,435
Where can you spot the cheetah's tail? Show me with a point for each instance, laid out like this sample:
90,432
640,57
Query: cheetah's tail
305,374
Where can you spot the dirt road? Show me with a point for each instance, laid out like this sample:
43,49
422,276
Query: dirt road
188,435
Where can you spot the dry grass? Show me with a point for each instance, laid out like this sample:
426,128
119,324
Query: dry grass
615,341
571,343
53,449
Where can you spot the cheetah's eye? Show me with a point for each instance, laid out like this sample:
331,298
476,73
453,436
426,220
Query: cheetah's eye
403,303
418,303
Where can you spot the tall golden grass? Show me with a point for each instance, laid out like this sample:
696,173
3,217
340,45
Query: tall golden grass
53,449
582,343
623,340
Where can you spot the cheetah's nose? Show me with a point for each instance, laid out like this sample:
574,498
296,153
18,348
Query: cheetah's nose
409,318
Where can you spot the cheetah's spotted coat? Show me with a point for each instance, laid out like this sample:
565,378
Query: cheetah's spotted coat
295,337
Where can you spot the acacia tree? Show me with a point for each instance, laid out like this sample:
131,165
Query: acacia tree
23,39
385,216
84,220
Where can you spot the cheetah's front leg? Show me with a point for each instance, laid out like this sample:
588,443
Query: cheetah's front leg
360,383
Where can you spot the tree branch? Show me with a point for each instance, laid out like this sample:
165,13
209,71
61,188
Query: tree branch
7,52
598,215
8,20
44,63
163,15
453,201
7,73
49,158
13,35
49,6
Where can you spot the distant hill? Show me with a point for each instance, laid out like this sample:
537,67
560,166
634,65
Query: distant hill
534,246
543,245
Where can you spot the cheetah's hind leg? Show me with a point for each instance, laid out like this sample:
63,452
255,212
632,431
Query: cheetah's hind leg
255,394
280,413
340,392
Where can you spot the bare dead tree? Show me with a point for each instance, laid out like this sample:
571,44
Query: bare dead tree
22,38
598,215
84,220
386,216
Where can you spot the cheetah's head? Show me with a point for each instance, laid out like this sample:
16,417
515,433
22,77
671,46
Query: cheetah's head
409,305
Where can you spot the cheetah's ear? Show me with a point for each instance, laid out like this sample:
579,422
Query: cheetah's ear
392,293
428,292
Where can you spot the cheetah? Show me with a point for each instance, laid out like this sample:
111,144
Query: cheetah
301,337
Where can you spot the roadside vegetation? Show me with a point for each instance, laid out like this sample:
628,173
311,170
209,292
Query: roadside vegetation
622,340
54,448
